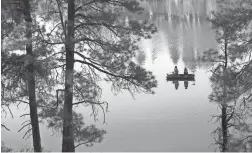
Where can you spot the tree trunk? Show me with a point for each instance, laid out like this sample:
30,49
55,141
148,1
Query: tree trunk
224,106
224,128
31,80
226,54
68,139
224,119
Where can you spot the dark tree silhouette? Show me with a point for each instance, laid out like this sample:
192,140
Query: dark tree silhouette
231,79
103,48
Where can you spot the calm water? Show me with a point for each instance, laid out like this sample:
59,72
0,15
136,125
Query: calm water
170,120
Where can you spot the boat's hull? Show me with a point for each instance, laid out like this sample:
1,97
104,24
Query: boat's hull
180,77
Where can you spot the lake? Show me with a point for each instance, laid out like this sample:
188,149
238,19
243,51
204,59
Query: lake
169,120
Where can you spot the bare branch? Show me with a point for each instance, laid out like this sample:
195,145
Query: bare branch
5,127
61,18
57,95
28,136
27,132
90,102
106,72
88,3
59,66
10,111
55,27
25,122
96,103
24,127
81,144
24,115
21,101
52,43
89,59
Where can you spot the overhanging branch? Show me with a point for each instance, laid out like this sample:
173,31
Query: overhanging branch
104,71
5,127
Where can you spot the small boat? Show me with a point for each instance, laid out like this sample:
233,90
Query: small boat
180,77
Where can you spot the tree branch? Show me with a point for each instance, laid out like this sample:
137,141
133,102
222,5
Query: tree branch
127,78
88,3
10,111
90,102
57,95
5,127
54,27
81,144
24,127
104,71
28,136
24,115
21,101
61,18
27,132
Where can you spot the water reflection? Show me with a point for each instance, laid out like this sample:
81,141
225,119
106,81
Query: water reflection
182,37
183,30
176,84
186,84
181,8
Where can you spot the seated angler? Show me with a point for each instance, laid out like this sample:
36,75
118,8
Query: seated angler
176,70
185,71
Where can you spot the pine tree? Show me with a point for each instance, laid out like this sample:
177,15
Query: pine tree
231,79
103,45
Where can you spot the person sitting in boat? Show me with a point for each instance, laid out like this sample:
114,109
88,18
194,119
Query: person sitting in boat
176,70
185,71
